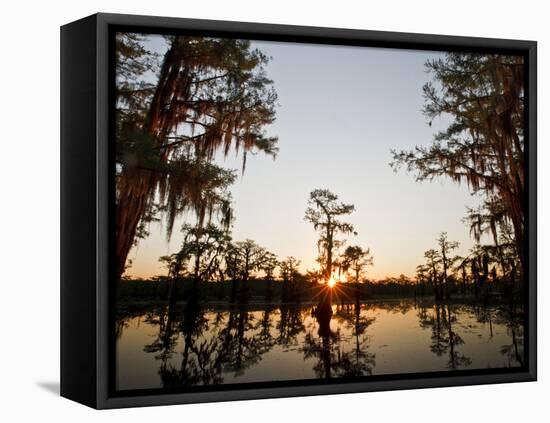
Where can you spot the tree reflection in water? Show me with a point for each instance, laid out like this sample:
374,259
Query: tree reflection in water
513,318
193,346
445,339
329,347
289,326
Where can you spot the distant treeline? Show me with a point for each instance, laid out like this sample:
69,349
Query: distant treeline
276,291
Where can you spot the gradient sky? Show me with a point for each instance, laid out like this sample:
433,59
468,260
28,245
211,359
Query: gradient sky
341,111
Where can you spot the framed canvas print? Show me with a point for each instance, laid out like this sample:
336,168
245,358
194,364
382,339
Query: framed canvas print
255,211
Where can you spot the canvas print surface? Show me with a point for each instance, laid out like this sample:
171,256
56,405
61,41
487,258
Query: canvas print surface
290,212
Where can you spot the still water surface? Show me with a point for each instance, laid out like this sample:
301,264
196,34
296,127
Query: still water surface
157,347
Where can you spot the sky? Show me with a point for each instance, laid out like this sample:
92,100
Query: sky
341,110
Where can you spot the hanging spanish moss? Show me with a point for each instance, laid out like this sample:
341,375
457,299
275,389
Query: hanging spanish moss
211,95
484,145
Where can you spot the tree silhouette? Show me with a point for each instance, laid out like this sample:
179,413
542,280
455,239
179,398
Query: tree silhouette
246,257
422,277
462,267
324,212
483,145
356,259
233,265
204,246
447,261
479,265
490,218
177,268
433,261
289,272
269,265
212,94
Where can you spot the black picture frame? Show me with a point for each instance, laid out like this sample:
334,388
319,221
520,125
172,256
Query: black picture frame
87,174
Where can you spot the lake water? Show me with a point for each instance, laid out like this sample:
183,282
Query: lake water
157,347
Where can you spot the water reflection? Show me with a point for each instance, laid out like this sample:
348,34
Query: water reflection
188,345
442,321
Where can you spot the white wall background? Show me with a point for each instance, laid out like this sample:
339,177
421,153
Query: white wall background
29,212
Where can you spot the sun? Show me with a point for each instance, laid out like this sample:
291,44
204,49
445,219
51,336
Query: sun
331,282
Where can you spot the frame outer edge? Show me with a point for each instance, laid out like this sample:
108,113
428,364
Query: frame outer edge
411,41
102,177
78,242
532,207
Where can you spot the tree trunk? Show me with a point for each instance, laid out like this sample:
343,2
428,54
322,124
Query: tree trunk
233,289
445,277
268,289
196,275
329,251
